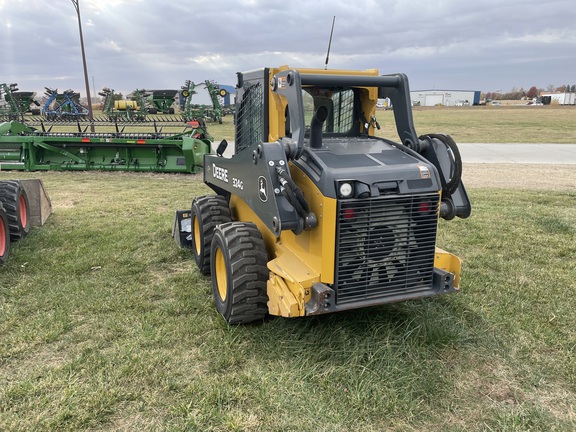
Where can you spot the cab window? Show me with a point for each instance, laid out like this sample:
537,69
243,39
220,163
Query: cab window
340,105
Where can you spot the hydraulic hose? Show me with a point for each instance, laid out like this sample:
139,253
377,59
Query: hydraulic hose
287,182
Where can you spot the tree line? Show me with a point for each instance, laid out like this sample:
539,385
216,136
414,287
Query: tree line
520,93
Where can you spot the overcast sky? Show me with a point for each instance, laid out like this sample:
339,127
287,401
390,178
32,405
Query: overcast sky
485,45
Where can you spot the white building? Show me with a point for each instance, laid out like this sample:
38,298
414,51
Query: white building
445,97
561,98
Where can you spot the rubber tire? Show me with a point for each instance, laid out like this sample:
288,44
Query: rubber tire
455,179
207,213
239,273
15,201
4,236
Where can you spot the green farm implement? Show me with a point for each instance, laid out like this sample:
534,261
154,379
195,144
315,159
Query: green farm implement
28,149
192,111
14,104
161,101
116,109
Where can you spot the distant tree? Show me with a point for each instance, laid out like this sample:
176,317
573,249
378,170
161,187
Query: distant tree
551,88
573,89
513,95
532,93
561,89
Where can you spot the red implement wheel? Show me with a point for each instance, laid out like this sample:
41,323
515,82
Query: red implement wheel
4,236
15,201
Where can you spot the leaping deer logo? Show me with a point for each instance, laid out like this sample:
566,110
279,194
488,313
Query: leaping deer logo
262,189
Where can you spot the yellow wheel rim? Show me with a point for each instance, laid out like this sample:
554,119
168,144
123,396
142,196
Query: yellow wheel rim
220,269
197,240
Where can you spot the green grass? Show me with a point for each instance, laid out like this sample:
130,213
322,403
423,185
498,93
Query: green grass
106,325
490,124
477,124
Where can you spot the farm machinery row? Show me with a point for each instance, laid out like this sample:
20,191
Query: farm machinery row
160,104
22,105
140,106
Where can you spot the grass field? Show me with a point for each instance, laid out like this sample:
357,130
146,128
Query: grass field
106,325
492,124
480,124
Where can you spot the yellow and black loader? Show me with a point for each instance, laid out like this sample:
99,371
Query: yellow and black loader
315,214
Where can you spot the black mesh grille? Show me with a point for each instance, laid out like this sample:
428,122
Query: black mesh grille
343,118
385,247
249,124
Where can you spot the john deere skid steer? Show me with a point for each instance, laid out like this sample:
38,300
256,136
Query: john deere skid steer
313,213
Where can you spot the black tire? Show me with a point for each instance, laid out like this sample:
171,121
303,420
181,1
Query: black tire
239,272
207,213
4,236
15,201
454,178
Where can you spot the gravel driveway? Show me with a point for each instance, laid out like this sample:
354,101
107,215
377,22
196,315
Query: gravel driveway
520,176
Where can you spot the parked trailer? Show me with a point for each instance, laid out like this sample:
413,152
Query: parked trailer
28,149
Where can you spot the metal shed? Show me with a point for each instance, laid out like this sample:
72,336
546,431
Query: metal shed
445,97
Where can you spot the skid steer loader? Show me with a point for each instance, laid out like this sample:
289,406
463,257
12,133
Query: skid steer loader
314,214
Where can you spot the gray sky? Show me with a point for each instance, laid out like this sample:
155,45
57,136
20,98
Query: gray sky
485,45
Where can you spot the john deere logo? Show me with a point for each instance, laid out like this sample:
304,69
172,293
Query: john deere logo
262,189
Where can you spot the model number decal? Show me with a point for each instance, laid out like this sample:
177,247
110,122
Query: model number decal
237,183
219,173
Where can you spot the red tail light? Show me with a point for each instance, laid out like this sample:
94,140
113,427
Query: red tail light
349,213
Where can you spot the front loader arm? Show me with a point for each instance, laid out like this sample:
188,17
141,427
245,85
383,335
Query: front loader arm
252,175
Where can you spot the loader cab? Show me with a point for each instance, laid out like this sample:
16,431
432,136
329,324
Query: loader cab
263,116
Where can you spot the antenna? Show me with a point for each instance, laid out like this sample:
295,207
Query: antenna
329,43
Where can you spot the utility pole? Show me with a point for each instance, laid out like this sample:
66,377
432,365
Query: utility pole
88,97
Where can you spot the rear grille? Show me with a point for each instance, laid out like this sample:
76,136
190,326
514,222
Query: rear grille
385,247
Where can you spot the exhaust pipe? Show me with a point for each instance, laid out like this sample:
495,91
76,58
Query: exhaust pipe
316,124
